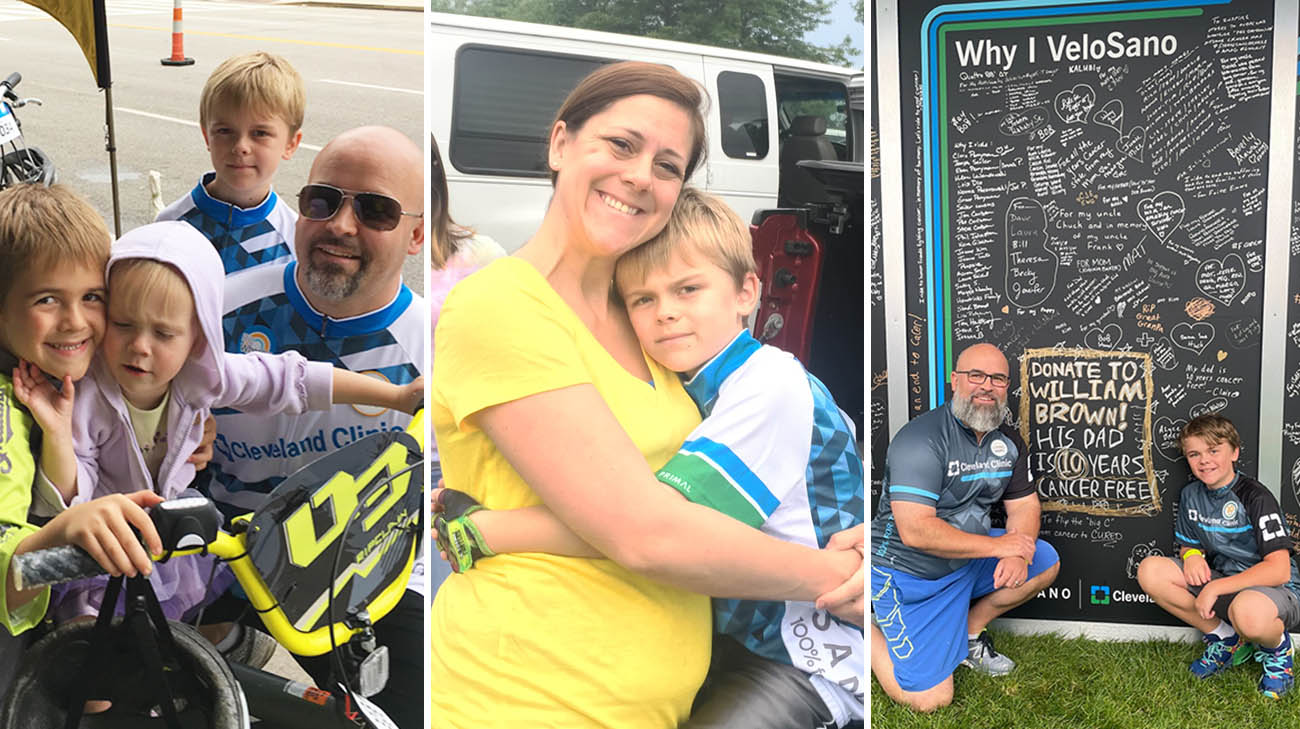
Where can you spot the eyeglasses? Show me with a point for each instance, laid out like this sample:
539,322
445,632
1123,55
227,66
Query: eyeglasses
375,211
977,377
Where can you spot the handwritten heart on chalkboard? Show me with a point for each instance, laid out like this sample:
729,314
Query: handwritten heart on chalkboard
1221,280
1111,115
1163,354
1195,337
1074,105
1164,436
1214,406
1162,214
1106,337
1133,144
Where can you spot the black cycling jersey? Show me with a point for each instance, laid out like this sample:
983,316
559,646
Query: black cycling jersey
935,460
1235,525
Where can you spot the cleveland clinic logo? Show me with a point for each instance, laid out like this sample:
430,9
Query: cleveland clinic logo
1100,594
954,468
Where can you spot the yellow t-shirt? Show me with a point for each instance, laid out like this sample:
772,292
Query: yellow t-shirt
535,640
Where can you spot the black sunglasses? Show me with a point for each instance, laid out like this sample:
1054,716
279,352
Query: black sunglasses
379,212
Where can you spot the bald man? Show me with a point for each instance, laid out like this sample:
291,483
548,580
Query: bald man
341,301
939,573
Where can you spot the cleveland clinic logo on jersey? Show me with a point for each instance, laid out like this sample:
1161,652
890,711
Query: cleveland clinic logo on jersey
256,339
987,467
1228,519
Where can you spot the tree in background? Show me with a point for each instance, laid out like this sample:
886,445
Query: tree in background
764,26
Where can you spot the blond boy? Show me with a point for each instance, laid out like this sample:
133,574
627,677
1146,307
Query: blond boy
773,451
250,113
53,247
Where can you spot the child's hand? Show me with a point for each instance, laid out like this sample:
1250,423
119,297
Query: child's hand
1196,571
203,454
51,408
102,527
1206,598
411,397
848,601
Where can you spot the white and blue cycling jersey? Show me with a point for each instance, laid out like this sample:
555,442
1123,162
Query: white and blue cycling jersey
267,312
1235,525
244,237
936,460
775,452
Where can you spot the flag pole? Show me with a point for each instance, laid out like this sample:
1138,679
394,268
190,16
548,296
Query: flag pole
104,77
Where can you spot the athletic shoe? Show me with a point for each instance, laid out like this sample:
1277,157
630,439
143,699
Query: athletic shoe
1217,656
984,659
254,648
1278,677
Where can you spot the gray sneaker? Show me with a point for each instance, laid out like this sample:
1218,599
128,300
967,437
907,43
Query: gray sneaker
254,648
984,659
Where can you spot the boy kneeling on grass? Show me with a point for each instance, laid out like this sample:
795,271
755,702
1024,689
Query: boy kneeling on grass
1237,582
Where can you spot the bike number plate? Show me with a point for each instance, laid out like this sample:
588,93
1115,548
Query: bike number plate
373,714
373,673
8,124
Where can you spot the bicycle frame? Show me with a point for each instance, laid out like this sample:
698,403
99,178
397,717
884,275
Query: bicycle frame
233,548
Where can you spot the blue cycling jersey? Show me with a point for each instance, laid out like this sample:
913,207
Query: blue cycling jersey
1235,525
937,461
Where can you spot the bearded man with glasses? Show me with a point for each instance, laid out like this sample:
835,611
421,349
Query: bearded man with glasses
341,301
939,572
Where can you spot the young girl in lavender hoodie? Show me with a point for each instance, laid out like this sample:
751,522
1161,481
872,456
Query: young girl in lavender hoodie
139,412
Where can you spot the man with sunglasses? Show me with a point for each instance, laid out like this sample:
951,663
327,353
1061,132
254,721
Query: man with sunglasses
939,572
342,301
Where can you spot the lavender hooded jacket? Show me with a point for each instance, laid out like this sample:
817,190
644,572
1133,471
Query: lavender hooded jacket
109,459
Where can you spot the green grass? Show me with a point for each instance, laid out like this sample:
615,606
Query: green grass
1078,683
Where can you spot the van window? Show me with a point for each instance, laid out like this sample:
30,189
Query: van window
742,106
503,104
807,97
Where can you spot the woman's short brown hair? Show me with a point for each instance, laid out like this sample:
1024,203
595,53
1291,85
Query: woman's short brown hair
608,84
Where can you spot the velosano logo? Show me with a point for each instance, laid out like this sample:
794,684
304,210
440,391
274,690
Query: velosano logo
1056,592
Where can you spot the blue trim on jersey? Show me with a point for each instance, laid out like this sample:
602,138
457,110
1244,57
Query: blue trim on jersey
737,470
1226,530
375,321
1185,540
232,215
986,474
918,492
703,387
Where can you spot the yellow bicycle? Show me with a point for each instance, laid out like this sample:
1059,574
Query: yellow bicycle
326,556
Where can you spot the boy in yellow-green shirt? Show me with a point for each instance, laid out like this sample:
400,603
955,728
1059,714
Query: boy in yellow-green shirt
53,247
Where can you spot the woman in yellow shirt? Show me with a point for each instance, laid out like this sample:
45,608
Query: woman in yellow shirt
541,394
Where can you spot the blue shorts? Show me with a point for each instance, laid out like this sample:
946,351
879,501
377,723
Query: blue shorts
924,621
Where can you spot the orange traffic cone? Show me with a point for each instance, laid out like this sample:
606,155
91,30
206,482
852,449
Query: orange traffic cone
178,40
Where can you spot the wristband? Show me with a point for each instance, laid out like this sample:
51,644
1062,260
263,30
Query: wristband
1192,551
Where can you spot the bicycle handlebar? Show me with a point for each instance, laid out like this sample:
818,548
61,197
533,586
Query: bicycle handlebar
53,566
10,82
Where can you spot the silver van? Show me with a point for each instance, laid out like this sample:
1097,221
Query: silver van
494,86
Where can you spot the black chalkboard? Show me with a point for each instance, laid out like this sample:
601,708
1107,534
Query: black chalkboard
1290,493
1086,189
878,388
